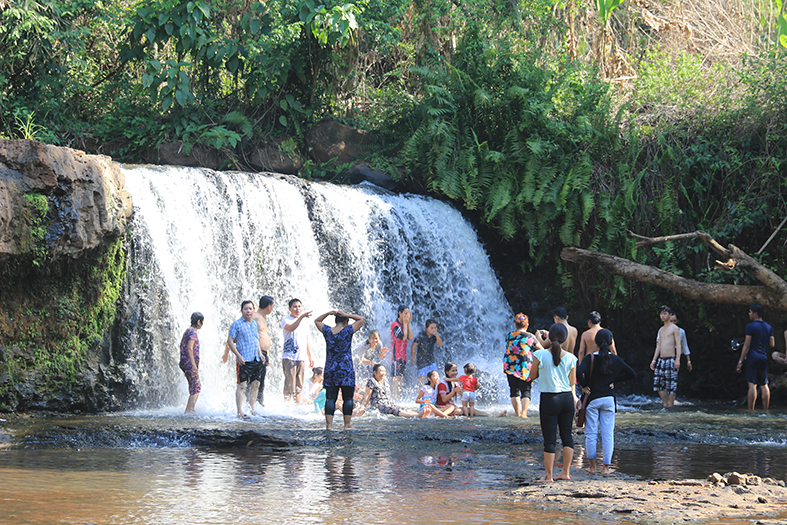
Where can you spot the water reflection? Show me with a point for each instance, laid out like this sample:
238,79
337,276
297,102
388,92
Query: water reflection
388,471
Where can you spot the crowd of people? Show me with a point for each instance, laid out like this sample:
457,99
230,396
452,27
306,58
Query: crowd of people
358,379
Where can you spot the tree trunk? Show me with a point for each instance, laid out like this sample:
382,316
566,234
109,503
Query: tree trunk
772,294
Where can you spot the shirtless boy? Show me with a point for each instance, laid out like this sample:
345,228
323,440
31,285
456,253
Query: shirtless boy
666,359
587,343
559,315
264,309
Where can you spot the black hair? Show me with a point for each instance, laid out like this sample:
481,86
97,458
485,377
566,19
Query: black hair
557,335
316,371
244,303
373,332
196,317
665,308
340,319
594,317
429,322
603,340
429,374
560,313
469,368
266,301
757,309
376,367
293,301
448,366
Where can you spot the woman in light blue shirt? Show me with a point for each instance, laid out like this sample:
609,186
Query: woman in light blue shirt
556,371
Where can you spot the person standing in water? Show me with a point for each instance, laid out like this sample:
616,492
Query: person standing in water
666,359
401,332
264,308
297,348
244,343
422,350
587,343
598,373
189,359
684,343
339,372
557,370
560,316
517,361
759,338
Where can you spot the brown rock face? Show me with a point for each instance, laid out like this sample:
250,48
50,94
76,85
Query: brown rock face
269,157
85,196
332,140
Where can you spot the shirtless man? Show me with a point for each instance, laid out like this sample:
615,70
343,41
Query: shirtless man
264,309
666,359
587,343
559,315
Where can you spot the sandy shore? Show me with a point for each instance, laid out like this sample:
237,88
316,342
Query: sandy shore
603,498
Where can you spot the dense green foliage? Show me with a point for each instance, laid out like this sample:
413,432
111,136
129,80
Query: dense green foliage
555,123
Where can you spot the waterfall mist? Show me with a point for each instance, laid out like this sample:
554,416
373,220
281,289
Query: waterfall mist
205,240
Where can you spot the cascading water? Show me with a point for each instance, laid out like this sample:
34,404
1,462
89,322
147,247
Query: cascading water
204,241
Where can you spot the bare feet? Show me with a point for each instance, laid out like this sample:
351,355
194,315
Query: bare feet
565,477
545,480
503,413
243,416
607,470
592,470
348,428
523,415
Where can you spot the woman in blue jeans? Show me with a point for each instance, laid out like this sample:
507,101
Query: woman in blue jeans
556,370
607,369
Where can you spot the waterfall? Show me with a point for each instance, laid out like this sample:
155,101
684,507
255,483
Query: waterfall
204,241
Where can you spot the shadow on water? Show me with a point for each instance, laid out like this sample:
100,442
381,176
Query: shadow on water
154,468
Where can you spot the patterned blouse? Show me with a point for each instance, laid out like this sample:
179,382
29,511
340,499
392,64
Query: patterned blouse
189,335
381,393
519,354
339,369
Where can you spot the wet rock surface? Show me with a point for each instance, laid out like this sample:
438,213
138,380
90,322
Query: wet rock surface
606,497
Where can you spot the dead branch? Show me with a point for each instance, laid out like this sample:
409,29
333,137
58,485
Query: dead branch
772,294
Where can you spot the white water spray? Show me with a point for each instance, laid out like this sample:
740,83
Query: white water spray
204,241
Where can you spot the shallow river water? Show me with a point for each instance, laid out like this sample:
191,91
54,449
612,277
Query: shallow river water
163,468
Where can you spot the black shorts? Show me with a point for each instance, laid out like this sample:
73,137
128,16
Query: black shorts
756,370
517,387
399,366
249,372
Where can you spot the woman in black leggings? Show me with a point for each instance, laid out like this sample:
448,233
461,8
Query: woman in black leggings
557,373
339,372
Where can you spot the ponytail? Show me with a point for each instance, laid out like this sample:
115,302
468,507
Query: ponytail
603,340
557,336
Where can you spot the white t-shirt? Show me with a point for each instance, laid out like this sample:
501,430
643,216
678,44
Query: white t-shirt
294,342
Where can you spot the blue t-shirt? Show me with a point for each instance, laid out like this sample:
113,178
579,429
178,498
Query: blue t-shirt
554,379
760,333
246,338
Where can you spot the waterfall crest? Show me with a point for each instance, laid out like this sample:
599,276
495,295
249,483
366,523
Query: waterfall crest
205,240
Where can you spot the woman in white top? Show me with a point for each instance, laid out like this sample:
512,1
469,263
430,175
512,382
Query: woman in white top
556,370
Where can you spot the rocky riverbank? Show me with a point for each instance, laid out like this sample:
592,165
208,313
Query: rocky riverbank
597,497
